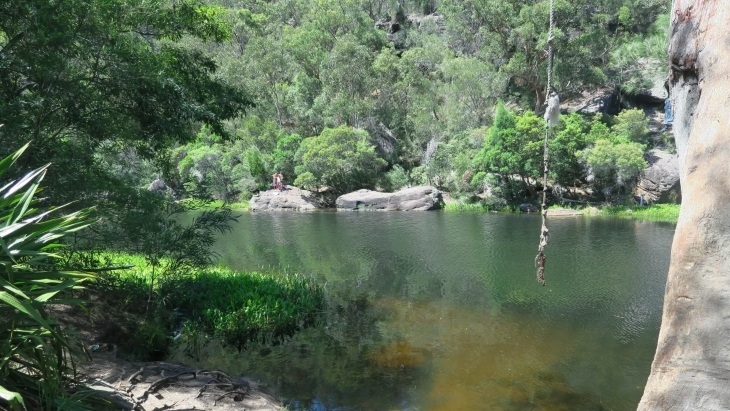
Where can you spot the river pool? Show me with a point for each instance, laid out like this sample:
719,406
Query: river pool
441,311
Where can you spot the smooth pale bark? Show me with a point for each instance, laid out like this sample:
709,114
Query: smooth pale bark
691,368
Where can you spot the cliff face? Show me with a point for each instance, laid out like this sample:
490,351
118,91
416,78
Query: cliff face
691,367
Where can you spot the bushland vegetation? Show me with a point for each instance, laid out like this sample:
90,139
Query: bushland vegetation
212,97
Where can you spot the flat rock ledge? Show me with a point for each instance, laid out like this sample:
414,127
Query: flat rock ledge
291,198
564,212
420,198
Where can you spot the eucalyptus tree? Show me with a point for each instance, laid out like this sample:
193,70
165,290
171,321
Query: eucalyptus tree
77,76
347,84
513,36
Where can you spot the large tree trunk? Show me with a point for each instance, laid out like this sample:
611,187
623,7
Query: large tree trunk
691,369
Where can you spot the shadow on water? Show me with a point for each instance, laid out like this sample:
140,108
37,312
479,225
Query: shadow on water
435,311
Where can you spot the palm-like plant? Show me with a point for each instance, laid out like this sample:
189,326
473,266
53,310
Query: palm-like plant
36,357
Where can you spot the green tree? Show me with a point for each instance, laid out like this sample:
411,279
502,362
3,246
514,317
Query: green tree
632,124
470,89
512,35
38,356
73,79
613,164
513,147
285,155
347,81
340,158
564,167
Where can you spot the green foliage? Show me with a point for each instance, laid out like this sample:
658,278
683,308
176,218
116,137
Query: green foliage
613,164
396,178
75,80
37,364
242,308
467,207
237,307
633,125
657,212
513,36
641,59
470,89
285,153
565,169
341,158
307,181
157,91
513,146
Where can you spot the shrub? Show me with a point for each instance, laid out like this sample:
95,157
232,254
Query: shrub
37,364
632,124
396,178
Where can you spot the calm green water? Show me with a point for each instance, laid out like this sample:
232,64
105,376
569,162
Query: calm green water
440,311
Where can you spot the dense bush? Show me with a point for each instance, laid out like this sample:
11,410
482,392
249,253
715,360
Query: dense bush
341,158
37,367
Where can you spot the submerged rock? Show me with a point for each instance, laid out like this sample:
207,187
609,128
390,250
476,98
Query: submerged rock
659,183
292,198
420,198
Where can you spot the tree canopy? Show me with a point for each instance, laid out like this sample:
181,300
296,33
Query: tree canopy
214,96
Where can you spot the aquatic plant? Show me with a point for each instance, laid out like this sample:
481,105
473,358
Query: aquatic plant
467,207
657,212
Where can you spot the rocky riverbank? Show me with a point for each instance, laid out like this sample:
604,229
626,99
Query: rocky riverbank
150,386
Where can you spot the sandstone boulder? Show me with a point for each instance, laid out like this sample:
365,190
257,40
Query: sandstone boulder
291,198
659,183
420,198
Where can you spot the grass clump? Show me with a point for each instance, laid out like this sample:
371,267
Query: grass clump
241,308
236,307
467,207
238,205
657,212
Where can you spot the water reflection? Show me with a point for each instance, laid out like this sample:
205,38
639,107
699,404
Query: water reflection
434,311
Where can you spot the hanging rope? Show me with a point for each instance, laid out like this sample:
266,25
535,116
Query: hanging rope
551,119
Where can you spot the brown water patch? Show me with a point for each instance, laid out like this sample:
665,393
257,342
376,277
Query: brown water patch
486,361
399,354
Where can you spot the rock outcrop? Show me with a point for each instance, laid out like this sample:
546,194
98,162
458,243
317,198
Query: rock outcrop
420,198
158,186
529,208
691,366
602,100
659,183
291,198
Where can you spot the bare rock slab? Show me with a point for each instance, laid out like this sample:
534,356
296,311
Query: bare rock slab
659,183
291,198
420,198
